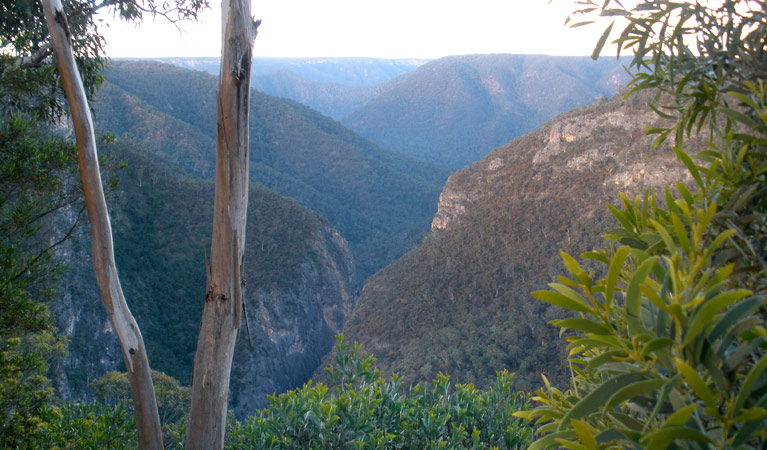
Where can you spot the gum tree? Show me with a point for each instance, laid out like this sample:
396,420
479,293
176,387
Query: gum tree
224,297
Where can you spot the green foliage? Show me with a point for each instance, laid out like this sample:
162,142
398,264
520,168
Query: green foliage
29,81
668,349
85,426
34,170
366,411
173,401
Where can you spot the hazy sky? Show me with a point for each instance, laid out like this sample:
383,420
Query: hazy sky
375,28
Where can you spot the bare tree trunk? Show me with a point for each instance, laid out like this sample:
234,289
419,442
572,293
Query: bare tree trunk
128,333
223,310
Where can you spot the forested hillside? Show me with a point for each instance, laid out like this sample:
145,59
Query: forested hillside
460,303
381,201
456,109
299,273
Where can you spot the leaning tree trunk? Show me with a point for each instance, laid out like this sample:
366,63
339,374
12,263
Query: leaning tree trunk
223,309
128,333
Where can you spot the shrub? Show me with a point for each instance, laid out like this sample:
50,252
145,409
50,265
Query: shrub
366,411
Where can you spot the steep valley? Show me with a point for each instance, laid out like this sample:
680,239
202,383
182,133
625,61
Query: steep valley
460,303
301,283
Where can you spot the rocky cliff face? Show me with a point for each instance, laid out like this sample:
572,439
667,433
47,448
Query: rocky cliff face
291,330
460,303
302,283
610,138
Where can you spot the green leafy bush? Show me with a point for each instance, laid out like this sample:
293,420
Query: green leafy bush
366,411
86,426
667,347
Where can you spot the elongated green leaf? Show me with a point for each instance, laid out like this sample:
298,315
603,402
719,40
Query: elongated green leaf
656,344
749,428
681,233
586,436
623,217
746,100
572,265
737,312
606,357
691,167
616,266
748,384
551,439
738,116
633,295
664,234
723,236
584,325
705,314
625,421
569,293
643,387
685,194
597,398
557,299
697,384
596,256
671,433
602,41
580,24
597,341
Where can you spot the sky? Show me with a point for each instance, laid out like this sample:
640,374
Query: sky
372,28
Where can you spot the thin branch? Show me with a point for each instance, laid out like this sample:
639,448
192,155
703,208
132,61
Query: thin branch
35,59
51,247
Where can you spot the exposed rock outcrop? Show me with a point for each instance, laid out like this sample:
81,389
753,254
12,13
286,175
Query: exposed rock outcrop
460,303
302,283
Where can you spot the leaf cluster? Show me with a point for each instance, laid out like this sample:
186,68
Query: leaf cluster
365,410
29,80
668,348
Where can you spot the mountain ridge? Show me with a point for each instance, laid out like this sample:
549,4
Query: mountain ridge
374,196
459,303
455,110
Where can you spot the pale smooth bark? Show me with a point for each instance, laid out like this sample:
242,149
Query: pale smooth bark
223,309
128,333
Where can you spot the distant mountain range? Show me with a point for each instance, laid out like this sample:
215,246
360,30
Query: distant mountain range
451,111
457,109
345,71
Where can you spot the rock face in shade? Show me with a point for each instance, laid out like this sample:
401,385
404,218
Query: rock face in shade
295,328
460,303
301,278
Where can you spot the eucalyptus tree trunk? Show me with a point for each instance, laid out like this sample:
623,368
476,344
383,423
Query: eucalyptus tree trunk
128,333
223,309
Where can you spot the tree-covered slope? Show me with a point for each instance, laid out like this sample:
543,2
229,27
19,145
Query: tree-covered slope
457,109
335,100
299,272
380,200
460,303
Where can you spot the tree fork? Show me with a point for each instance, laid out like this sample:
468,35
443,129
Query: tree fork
222,312
147,418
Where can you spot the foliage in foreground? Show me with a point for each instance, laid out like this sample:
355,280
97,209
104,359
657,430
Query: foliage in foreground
34,170
669,349
367,411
